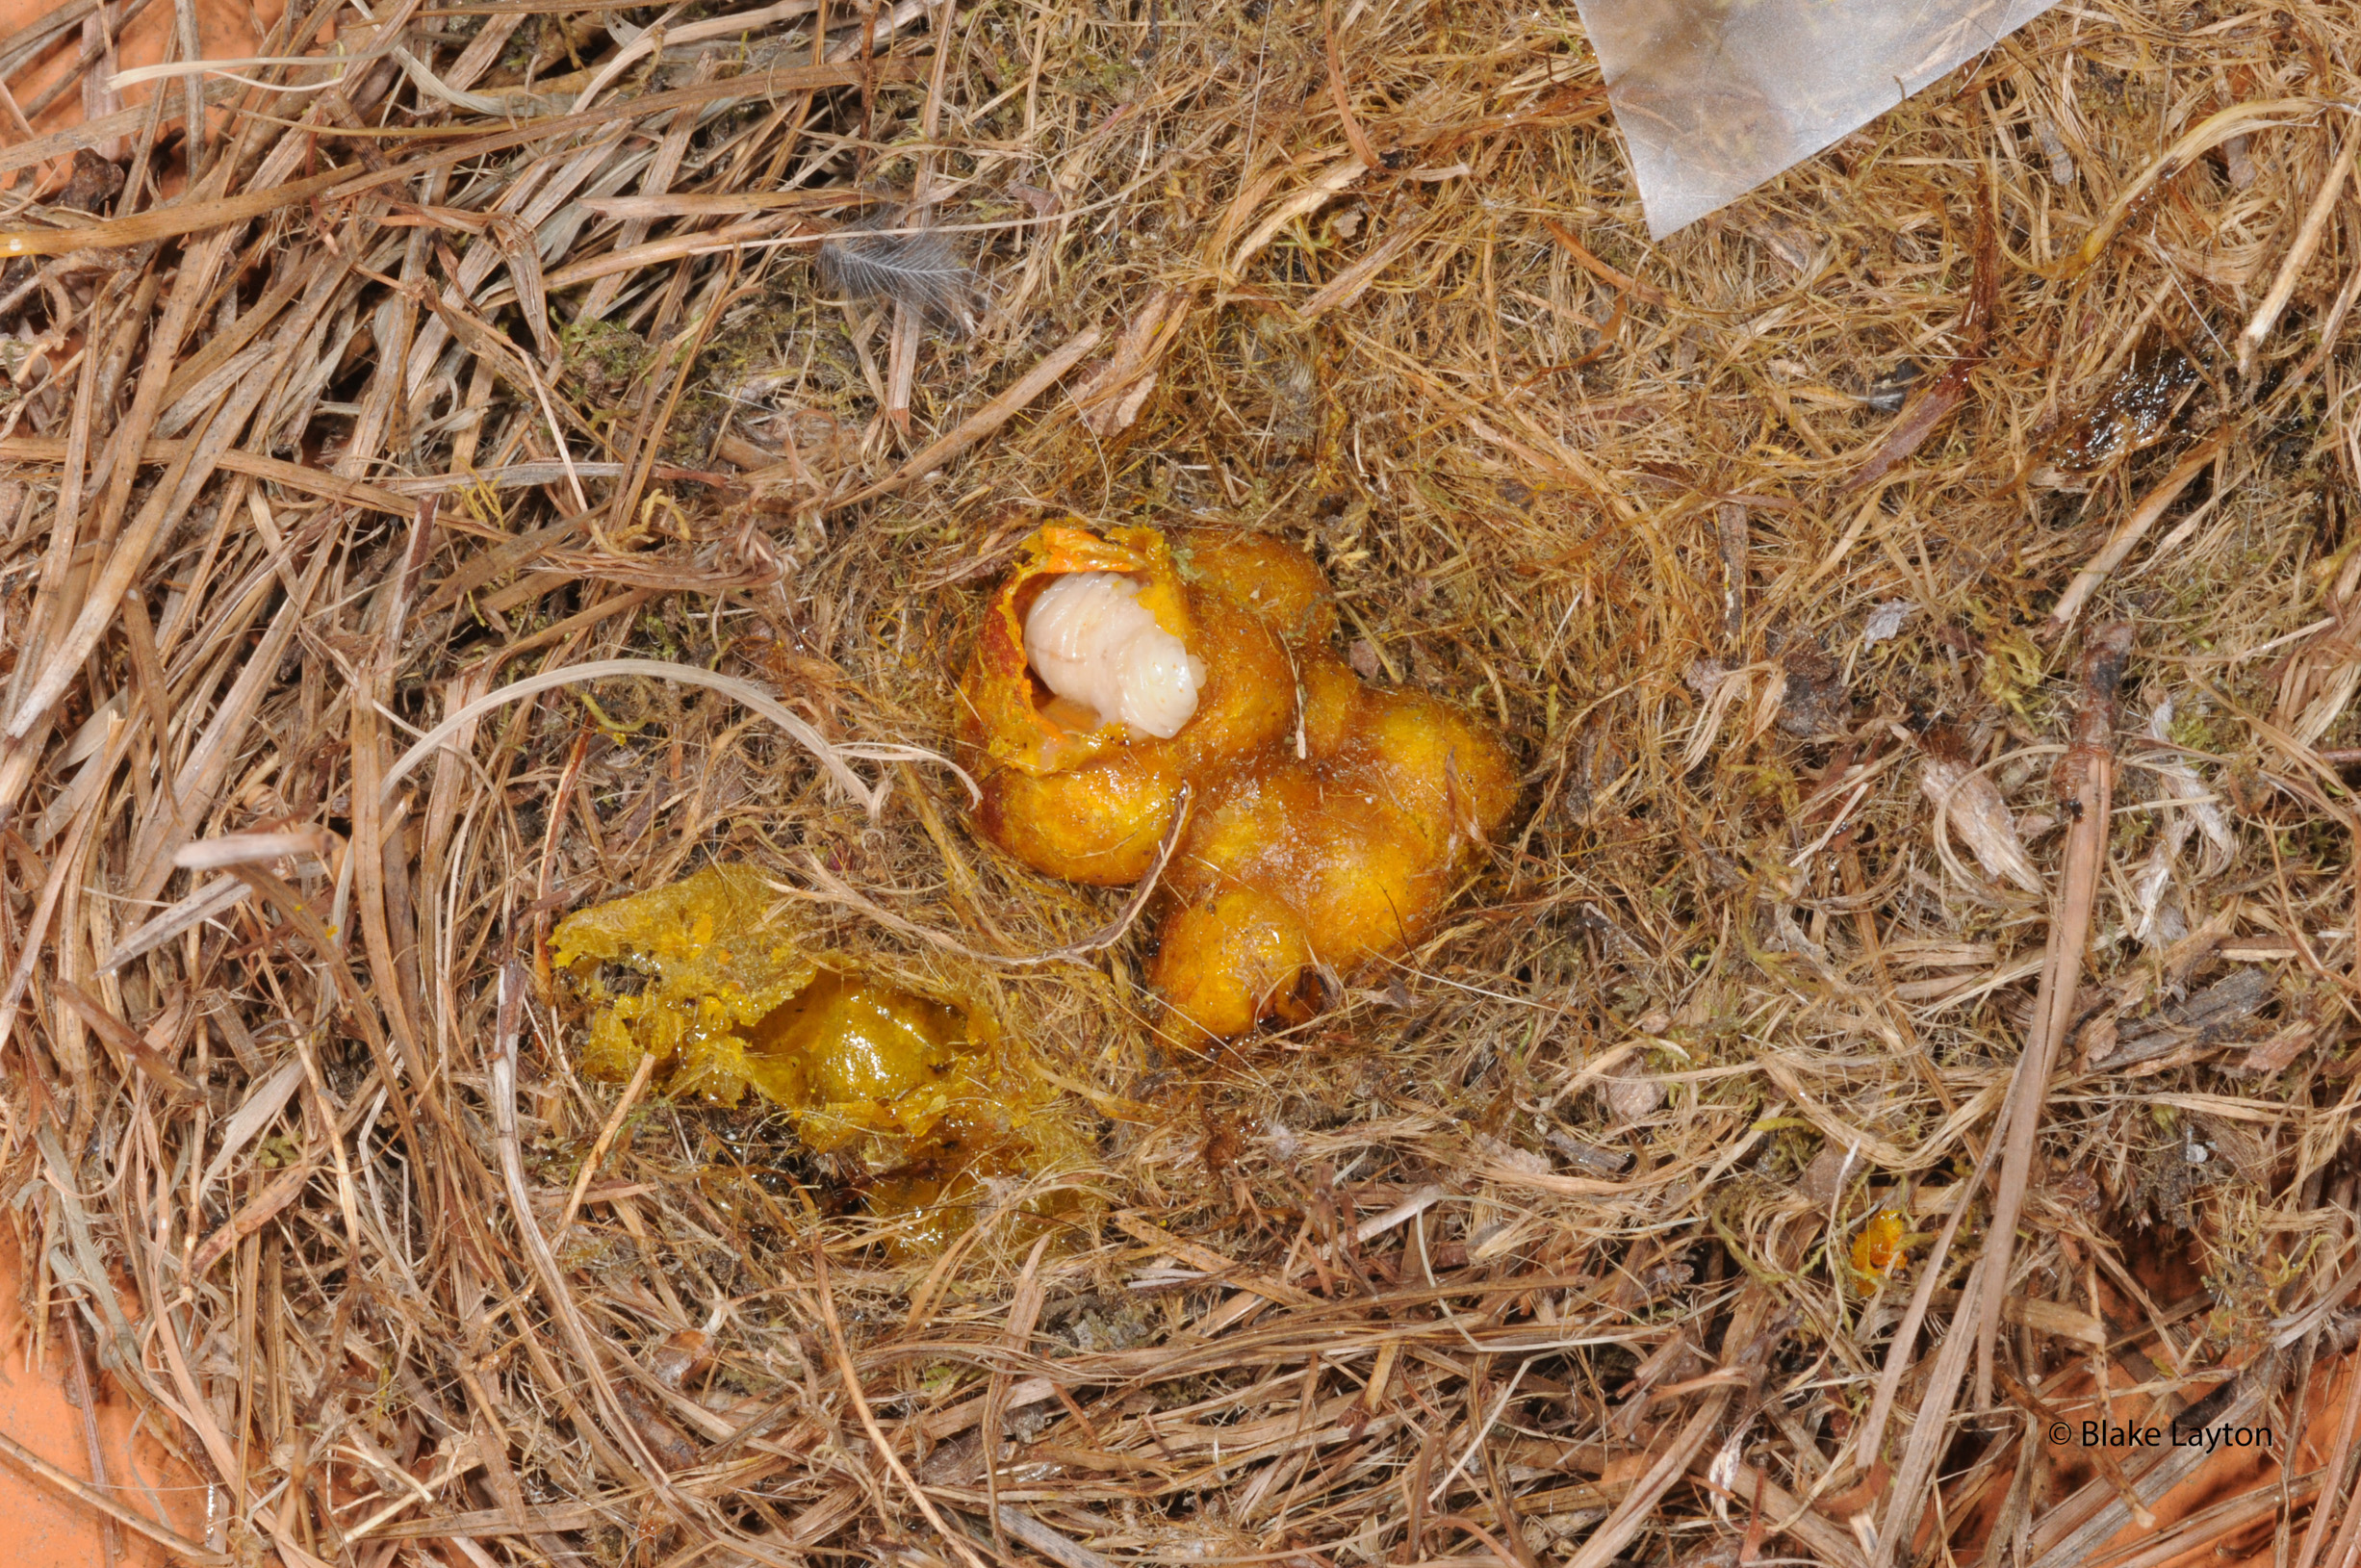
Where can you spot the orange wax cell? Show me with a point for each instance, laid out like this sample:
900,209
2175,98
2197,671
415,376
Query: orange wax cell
1231,960
1250,696
1098,823
1368,888
1271,580
1330,817
1334,701
1249,829
1443,768
1284,870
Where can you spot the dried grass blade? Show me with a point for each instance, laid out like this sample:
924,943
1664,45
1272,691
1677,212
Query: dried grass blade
1310,198
2067,1547
2299,254
850,1375
125,1039
2134,526
2201,139
169,222
1786,1513
549,1277
1057,1547
1965,800
189,795
369,847
829,755
1931,407
30,41
257,1211
901,366
1354,280
310,481
2087,777
606,1141
1339,95
128,551
1110,397
35,934
676,247
2340,1451
262,1107
984,421
1016,1338
776,82
2039,1415
1931,1425
650,205
82,1492
249,849
1624,1522
94,133
662,36
654,184
216,897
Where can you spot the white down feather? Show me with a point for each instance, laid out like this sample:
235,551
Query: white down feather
1093,642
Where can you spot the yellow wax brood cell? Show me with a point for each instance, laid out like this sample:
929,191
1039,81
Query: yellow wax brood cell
715,979
1331,816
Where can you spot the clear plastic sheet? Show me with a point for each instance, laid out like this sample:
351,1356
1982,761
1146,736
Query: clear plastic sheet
1717,96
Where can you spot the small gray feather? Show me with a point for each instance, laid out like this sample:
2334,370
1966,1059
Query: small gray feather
891,257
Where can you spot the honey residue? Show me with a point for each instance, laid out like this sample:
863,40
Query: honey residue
1330,816
2137,408
918,1095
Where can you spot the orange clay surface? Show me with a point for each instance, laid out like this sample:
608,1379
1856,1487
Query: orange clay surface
2164,1267
38,1527
1330,816
227,30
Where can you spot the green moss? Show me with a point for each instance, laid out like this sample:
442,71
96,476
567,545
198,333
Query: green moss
602,354
2011,670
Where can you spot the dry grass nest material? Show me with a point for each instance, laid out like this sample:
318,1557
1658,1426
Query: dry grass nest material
1924,598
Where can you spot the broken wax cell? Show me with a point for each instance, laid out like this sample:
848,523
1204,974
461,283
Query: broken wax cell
1074,794
1093,642
1014,718
855,1057
707,958
2138,406
921,1093
1330,818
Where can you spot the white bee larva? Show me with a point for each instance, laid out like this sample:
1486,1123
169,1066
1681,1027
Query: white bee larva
1093,642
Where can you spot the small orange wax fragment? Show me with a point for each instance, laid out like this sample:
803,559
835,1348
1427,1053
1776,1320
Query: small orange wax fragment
1878,1250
